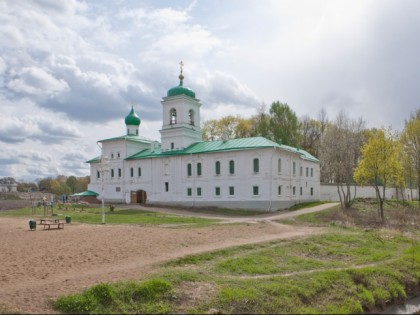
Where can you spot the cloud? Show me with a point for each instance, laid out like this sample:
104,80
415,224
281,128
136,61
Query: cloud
35,81
27,128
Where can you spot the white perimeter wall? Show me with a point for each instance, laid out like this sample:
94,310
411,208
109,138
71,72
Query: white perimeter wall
329,192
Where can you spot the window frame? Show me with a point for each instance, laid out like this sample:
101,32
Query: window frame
231,167
217,165
199,169
256,165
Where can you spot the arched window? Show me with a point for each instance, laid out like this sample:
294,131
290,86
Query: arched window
172,116
217,167
231,167
191,117
189,169
198,169
256,165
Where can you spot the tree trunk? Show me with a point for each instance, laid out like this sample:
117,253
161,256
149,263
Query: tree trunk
339,194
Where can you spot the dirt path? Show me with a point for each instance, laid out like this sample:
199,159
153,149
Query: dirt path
37,266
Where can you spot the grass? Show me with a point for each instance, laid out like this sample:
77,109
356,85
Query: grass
118,216
339,272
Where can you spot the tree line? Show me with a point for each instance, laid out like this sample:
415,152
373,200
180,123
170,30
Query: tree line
60,185
349,152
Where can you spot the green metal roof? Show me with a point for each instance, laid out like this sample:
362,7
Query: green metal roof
222,146
129,138
86,193
94,160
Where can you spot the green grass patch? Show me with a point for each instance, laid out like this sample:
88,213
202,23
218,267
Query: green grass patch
152,296
118,216
339,272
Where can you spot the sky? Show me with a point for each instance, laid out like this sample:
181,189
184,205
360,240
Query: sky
71,70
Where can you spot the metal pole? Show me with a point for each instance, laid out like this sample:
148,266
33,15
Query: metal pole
103,191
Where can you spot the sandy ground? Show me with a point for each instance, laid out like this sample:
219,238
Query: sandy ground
37,266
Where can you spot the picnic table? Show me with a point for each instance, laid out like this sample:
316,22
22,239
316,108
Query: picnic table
54,223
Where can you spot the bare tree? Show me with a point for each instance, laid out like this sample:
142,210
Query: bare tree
339,154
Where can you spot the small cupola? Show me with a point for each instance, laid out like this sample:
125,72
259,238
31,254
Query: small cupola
132,121
181,89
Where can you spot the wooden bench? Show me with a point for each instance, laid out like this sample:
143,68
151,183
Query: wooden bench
48,223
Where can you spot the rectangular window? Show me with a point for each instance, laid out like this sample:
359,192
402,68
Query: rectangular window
132,172
301,171
301,191
189,169
189,191
279,165
117,189
198,169
312,172
255,191
112,173
198,191
279,190
231,191
231,167
139,171
98,174
294,168
256,165
312,191
166,186
217,191
172,145
217,167
119,172
294,190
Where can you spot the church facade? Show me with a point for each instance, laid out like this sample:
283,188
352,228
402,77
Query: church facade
183,170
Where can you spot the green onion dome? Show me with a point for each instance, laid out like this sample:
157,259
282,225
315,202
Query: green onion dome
180,89
132,118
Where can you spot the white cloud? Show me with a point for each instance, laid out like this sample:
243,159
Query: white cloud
36,81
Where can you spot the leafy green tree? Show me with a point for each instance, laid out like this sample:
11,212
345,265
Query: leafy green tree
284,124
59,188
210,130
410,139
379,165
25,187
71,182
261,122
44,184
82,184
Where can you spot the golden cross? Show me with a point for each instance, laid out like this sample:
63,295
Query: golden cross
182,66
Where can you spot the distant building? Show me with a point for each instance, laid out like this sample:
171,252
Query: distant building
8,184
247,173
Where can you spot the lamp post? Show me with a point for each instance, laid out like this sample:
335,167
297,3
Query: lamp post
103,171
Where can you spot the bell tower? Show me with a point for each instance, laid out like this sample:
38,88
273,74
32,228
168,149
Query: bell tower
181,117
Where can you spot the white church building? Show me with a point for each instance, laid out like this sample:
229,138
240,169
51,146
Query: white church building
183,170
